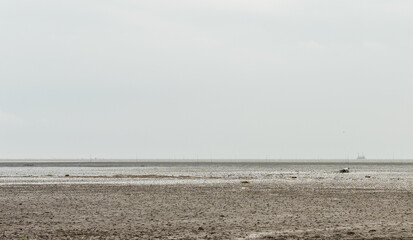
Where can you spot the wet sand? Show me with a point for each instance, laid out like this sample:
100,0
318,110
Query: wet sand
255,210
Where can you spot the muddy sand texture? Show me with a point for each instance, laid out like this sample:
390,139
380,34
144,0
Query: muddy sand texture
221,211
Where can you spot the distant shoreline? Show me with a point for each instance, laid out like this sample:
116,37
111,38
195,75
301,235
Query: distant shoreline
165,163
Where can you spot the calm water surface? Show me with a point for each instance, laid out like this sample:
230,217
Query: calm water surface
196,172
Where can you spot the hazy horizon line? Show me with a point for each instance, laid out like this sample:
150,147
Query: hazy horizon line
298,160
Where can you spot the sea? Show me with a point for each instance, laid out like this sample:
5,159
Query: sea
99,171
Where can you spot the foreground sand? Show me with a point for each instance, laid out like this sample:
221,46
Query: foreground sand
213,211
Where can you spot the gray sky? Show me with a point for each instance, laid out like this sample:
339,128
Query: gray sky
201,79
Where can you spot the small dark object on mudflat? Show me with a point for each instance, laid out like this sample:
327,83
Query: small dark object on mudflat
294,177
368,176
67,175
344,170
245,182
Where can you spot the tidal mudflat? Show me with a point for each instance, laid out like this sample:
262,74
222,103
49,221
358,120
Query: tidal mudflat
211,201
255,210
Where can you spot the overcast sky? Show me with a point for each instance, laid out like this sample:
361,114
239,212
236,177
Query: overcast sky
201,79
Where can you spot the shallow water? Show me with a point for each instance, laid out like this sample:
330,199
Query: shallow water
398,174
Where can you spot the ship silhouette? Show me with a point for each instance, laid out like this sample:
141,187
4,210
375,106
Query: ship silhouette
361,157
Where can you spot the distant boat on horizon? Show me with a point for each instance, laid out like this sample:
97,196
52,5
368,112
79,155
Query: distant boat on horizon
360,157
